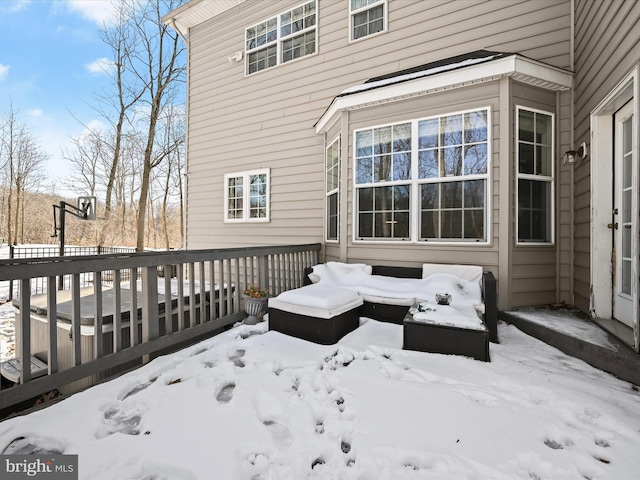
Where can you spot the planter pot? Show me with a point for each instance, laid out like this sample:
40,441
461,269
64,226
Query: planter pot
253,307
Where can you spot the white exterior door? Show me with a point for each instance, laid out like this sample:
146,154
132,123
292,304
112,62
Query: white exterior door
625,218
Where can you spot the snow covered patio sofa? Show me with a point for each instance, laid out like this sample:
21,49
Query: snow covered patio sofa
336,294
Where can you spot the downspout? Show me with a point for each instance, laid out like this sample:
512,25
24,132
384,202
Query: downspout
323,242
172,22
572,109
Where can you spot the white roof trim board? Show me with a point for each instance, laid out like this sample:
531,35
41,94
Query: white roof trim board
195,12
465,72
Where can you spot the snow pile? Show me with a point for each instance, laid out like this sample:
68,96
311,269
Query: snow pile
253,404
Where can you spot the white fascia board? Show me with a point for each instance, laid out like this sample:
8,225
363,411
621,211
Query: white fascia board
556,78
195,12
528,71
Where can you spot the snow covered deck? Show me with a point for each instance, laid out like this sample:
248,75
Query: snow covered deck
570,331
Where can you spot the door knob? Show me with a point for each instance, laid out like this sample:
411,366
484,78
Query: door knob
612,225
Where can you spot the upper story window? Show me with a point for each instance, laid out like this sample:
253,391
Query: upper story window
332,190
424,180
280,39
535,176
367,17
246,196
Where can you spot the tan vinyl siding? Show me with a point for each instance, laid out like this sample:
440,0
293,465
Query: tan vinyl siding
534,267
564,195
607,47
239,122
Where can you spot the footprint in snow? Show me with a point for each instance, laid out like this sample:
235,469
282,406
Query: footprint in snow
225,394
280,433
250,333
138,388
33,446
117,421
236,358
558,444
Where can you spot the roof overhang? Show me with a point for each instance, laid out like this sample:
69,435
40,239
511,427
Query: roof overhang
195,12
515,66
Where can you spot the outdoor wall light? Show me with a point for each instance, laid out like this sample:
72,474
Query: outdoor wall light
571,156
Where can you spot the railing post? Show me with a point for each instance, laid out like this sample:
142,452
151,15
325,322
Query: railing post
97,315
11,254
52,323
263,272
76,319
24,324
150,317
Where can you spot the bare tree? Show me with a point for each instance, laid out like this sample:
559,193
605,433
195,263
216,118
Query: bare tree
87,157
147,69
172,132
23,160
158,64
121,38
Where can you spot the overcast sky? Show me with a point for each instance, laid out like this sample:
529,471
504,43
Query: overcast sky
51,62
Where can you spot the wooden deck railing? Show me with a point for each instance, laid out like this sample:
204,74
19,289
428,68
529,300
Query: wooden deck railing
122,329
39,285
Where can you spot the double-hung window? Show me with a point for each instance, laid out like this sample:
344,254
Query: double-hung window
332,190
246,196
535,176
383,182
282,38
367,17
424,180
452,172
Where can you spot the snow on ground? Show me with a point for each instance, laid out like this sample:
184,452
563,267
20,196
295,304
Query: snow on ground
254,404
568,322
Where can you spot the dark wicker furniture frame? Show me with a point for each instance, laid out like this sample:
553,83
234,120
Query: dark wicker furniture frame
433,338
318,330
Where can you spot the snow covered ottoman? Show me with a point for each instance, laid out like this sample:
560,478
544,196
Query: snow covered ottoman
318,313
449,319
445,332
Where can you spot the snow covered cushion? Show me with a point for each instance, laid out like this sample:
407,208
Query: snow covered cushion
458,316
339,268
320,301
314,277
337,273
472,273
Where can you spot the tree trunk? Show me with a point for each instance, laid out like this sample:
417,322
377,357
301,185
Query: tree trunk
165,199
9,212
17,212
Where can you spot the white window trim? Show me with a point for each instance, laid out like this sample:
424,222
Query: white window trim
414,201
540,178
334,191
385,19
245,198
279,40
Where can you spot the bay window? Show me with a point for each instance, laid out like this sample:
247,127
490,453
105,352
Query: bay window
424,180
535,176
332,190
